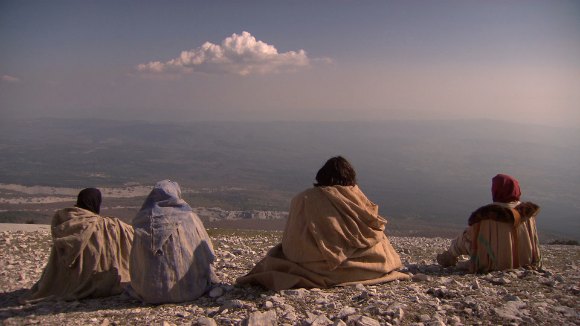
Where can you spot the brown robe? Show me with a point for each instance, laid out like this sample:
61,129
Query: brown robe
89,257
500,238
334,236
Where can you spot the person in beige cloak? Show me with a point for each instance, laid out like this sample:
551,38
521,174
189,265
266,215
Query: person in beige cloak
89,256
334,236
501,235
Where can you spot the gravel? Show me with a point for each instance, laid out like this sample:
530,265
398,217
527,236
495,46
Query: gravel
434,296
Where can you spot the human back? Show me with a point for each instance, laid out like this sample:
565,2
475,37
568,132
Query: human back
172,252
505,238
333,236
337,232
501,235
89,256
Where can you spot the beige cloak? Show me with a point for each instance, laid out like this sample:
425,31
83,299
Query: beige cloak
89,257
334,236
500,237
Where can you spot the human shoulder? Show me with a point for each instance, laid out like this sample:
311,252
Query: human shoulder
502,213
69,210
305,194
71,220
490,212
73,212
528,209
306,197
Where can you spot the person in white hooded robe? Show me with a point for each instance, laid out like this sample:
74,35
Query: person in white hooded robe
172,254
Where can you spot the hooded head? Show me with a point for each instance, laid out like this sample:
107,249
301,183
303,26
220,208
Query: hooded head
337,171
89,199
166,190
505,189
164,193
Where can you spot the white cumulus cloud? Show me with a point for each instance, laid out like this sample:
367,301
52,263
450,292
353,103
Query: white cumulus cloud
10,79
237,54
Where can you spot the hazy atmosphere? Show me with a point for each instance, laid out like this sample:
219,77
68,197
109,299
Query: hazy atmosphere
293,60
203,125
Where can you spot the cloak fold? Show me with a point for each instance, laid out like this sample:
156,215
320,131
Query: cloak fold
334,236
500,237
172,253
89,257
504,238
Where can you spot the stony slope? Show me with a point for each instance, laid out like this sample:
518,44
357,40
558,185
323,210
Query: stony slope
436,296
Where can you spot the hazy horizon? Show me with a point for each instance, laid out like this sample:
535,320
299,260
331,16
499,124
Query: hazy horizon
262,119
434,171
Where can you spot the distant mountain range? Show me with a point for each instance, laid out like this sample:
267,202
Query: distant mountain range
435,172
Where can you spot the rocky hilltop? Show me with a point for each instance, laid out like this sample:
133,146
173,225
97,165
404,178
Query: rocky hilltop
434,296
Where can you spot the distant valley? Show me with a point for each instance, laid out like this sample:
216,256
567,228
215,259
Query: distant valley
426,175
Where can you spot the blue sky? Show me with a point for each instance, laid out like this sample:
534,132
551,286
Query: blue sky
298,60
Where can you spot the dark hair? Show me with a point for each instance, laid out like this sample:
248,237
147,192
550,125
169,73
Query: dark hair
90,199
337,171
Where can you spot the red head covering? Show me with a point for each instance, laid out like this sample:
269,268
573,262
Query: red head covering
505,189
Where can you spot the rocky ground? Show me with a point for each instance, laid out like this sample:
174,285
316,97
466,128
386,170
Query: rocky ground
435,296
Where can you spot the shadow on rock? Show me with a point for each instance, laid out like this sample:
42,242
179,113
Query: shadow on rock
424,272
11,307
10,299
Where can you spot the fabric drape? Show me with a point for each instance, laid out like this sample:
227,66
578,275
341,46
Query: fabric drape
500,238
172,252
334,236
89,257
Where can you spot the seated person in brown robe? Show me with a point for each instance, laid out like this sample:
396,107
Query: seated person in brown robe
90,254
334,236
501,235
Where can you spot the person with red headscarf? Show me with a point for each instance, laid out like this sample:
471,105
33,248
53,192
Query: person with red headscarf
501,235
